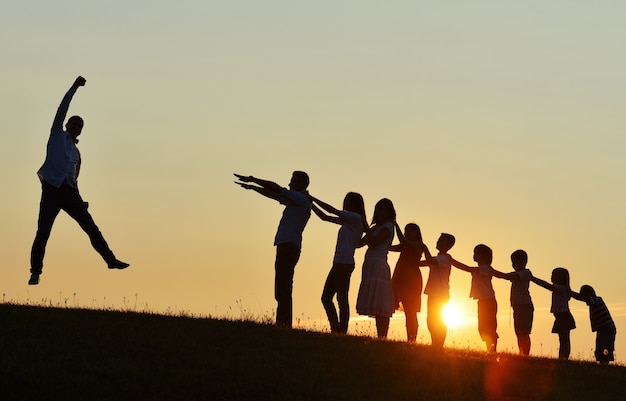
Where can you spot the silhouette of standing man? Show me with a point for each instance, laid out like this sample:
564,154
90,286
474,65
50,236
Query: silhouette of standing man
288,239
58,176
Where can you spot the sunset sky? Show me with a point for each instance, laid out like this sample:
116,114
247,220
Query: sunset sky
500,122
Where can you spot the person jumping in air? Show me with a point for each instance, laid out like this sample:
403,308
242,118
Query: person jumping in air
59,189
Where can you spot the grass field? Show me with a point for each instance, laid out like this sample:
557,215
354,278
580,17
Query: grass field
79,354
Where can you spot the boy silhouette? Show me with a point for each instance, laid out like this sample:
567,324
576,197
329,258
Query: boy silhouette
482,291
601,322
521,302
438,289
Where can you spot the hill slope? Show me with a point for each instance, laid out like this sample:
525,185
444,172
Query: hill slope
71,354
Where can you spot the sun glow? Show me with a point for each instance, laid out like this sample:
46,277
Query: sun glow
452,315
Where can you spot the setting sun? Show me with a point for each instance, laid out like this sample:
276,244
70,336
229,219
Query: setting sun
452,315
453,113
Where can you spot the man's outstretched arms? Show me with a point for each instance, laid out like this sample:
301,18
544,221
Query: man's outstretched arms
266,188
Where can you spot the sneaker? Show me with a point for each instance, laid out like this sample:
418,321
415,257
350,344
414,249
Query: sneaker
118,264
34,279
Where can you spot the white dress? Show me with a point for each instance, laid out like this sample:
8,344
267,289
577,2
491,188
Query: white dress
375,292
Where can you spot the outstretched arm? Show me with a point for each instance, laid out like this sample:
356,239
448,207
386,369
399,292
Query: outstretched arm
324,216
428,258
505,276
461,266
269,185
398,247
261,190
399,232
417,246
325,206
57,124
542,283
265,188
424,263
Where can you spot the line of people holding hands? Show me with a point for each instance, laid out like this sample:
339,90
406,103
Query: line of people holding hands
381,293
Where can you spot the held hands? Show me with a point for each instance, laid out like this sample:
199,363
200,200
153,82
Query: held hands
80,81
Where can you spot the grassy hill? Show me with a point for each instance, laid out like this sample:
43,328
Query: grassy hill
77,354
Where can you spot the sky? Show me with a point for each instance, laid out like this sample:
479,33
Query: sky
500,122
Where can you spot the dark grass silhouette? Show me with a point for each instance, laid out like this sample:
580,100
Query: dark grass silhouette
71,354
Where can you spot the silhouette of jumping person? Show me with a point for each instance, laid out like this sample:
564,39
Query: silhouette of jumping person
288,240
58,177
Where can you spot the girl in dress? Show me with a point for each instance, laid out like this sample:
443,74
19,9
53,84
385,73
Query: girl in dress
563,319
353,225
375,292
407,277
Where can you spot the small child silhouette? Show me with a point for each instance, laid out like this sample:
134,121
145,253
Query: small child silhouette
601,322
